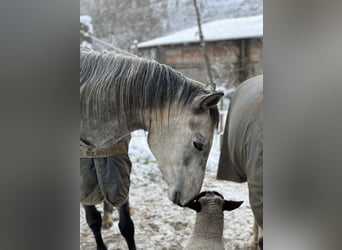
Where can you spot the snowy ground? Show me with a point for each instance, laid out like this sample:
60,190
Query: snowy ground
159,224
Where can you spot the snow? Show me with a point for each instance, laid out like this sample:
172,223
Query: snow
85,44
159,224
88,32
86,20
225,29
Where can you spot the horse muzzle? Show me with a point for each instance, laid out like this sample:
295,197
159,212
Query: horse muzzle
177,198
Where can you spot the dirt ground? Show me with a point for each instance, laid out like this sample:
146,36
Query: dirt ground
159,224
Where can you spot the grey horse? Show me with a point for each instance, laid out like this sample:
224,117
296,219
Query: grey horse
120,94
241,156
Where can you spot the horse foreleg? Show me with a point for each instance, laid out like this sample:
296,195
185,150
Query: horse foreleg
94,221
261,243
261,239
256,242
126,226
254,239
107,219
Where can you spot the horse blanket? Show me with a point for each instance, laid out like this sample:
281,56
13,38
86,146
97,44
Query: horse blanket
105,177
241,156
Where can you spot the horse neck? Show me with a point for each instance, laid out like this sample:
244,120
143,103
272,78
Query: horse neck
149,120
127,120
156,106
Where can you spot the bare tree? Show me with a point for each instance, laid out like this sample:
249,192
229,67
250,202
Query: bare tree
120,22
202,42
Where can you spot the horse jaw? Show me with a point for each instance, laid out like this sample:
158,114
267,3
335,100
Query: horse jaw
184,187
176,196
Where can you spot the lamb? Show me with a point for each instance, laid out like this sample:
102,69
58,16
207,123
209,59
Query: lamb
208,230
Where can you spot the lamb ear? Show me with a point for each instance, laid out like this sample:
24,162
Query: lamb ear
231,205
207,101
195,205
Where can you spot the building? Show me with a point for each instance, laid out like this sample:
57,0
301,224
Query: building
234,47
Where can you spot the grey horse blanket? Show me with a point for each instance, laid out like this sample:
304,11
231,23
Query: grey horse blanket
241,156
106,178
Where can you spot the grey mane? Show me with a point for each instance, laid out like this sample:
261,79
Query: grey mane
117,84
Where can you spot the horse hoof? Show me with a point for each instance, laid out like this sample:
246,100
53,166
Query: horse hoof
107,223
131,211
261,243
253,244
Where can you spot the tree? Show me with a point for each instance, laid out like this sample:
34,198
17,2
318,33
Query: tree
202,42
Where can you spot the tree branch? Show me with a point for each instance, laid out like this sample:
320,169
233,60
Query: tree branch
202,42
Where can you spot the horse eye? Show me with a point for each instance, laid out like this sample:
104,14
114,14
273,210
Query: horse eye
198,145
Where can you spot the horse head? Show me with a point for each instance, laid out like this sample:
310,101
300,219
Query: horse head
181,145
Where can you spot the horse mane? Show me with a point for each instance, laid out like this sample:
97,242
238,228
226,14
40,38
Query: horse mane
119,84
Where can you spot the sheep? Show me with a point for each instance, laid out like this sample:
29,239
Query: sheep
208,230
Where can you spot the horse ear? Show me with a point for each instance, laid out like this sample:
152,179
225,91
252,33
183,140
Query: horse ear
208,101
231,205
195,205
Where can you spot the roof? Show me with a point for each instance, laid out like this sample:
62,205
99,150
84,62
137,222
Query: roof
225,29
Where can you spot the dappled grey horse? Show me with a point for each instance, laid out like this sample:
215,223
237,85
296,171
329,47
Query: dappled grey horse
120,94
241,156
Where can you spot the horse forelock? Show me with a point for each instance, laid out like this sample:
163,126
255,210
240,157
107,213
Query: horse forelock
117,84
